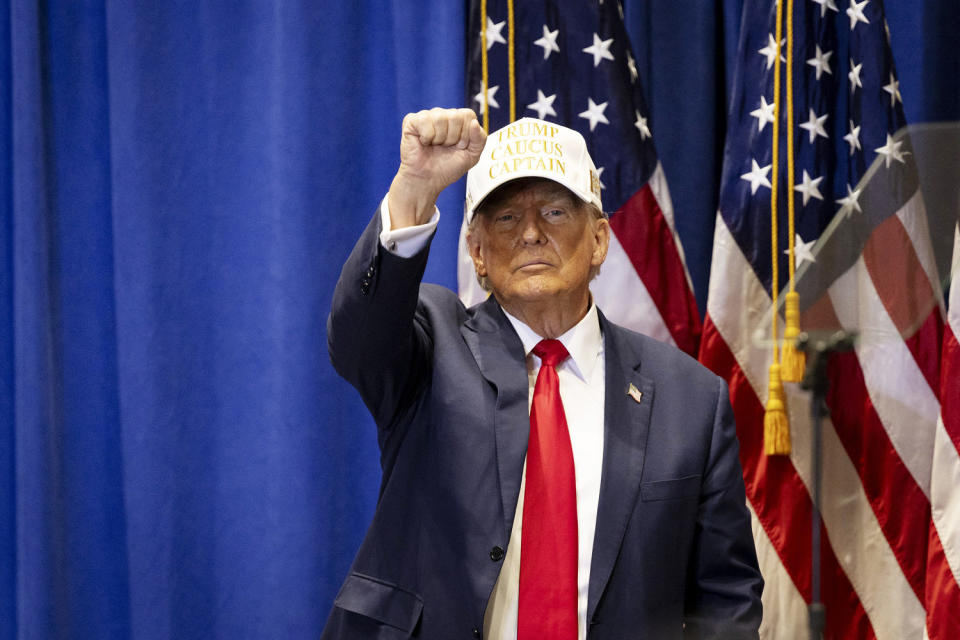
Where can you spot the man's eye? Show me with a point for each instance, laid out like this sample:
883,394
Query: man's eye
505,217
554,214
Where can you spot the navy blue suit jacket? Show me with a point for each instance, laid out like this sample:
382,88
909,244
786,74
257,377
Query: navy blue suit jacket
447,386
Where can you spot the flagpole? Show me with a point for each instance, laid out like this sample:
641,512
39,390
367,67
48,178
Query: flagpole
818,350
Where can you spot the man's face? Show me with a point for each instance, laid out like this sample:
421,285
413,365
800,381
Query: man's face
535,242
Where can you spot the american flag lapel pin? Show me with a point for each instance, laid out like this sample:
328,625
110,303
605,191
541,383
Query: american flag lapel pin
634,393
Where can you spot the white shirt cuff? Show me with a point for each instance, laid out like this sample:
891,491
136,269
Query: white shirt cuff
409,241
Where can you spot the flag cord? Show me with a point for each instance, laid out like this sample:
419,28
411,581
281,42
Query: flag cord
510,61
483,66
775,179
792,361
776,427
790,176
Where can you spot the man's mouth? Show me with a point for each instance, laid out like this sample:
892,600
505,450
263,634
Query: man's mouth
534,265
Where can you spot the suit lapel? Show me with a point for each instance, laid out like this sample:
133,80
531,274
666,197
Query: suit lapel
499,353
626,424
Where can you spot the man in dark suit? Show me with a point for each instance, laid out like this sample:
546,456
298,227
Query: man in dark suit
546,473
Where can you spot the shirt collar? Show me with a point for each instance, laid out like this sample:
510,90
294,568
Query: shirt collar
583,342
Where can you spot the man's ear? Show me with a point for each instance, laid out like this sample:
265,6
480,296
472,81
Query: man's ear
601,235
473,246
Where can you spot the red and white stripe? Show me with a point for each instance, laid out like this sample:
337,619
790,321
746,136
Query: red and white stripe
890,483
643,284
945,474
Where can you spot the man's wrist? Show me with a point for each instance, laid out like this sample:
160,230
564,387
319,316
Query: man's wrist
407,241
410,204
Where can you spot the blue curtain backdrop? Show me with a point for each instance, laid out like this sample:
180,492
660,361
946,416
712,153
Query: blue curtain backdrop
179,183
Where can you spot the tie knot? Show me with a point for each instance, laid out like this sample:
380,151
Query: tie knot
552,352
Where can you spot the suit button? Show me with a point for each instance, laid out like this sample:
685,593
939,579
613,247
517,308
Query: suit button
476,632
370,272
496,554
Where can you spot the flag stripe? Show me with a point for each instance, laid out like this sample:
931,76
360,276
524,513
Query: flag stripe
897,275
943,574
880,351
913,217
950,389
735,307
882,481
649,242
900,506
925,345
658,184
904,287
783,606
624,298
781,502
943,570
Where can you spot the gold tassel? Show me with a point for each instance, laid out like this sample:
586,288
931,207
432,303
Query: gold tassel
793,362
776,426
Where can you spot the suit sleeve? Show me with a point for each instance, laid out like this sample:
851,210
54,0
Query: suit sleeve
375,338
725,580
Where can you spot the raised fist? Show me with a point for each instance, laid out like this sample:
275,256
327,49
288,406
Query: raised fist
437,147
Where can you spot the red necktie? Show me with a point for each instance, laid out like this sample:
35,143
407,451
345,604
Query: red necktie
547,606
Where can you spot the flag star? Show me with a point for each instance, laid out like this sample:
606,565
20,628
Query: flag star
548,41
642,127
600,173
632,66
821,62
891,151
544,105
491,100
854,75
894,90
763,113
493,32
824,5
802,251
853,138
850,203
770,51
757,176
855,11
809,188
594,113
600,49
815,125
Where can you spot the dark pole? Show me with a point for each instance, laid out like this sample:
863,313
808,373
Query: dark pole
818,350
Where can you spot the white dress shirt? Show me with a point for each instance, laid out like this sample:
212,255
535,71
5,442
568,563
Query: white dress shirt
408,241
582,391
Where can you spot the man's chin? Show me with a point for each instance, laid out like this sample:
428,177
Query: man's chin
534,288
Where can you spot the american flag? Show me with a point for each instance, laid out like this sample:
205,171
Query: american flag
891,475
572,64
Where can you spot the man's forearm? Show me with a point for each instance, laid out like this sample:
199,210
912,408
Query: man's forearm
370,333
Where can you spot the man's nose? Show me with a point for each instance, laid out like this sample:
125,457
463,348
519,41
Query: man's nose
532,232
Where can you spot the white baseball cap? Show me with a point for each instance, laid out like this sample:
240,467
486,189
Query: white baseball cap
532,148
